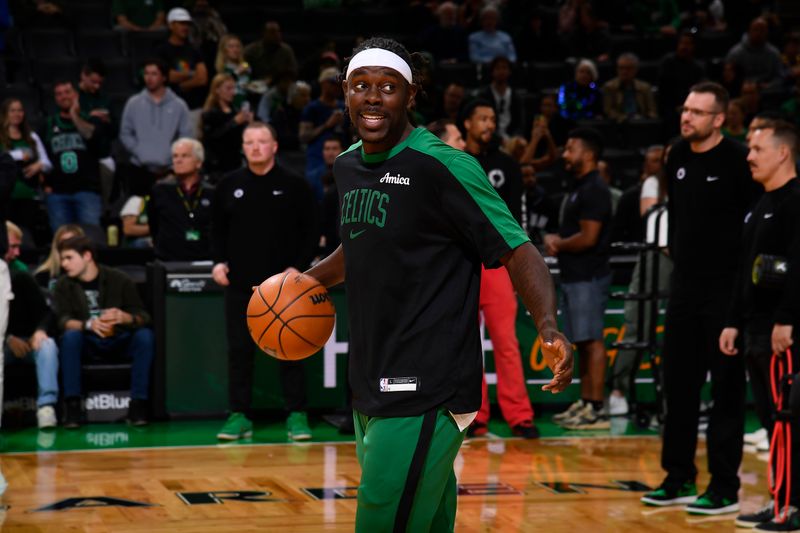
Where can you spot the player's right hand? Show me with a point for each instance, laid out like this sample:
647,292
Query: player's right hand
727,341
220,274
557,352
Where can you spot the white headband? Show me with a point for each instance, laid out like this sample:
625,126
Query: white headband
378,57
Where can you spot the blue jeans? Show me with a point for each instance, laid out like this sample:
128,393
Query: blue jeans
137,346
46,361
82,207
583,307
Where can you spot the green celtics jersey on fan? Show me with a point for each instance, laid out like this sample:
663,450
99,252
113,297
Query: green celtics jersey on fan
416,224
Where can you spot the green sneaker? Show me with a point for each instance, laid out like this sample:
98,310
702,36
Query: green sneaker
666,495
237,426
297,426
713,504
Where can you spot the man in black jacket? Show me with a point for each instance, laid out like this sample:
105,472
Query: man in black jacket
263,223
101,314
766,315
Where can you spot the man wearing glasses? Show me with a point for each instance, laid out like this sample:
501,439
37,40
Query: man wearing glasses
710,190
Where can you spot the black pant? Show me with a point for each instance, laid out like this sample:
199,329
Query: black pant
241,360
758,355
695,317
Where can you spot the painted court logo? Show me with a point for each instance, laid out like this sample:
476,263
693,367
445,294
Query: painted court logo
396,180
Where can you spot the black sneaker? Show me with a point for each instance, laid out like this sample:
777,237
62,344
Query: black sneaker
750,520
72,413
792,522
526,430
670,495
711,503
137,412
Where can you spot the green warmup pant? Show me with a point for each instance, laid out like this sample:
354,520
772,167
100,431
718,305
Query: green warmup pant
407,478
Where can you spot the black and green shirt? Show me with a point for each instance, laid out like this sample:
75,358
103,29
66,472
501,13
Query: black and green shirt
416,224
75,159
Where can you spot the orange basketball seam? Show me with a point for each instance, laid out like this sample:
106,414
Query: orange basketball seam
270,306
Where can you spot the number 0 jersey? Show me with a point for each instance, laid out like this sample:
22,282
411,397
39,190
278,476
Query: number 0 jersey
416,224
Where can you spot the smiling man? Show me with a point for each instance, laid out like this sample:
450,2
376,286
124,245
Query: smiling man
418,220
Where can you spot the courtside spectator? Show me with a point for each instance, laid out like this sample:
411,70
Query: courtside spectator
452,100
135,224
322,119
489,42
47,273
135,15
286,119
581,98
446,39
223,124
627,97
99,311
270,56
539,212
75,143
188,75
94,101
151,121
678,71
24,145
507,101
230,60
179,209
29,319
755,56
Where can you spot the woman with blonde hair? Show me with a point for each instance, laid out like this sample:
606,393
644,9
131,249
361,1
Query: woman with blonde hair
223,125
48,272
230,60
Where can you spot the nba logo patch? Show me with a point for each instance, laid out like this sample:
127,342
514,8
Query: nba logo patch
383,385
398,384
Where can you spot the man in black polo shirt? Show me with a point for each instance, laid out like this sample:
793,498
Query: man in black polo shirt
766,315
498,301
179,210
709,190
264,223
581,246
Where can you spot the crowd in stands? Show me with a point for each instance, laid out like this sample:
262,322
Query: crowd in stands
129,113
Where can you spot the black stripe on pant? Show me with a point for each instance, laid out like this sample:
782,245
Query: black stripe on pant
415,471
241,360
695,318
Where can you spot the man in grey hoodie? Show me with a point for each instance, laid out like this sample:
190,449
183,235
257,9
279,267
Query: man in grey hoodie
756,58
151,121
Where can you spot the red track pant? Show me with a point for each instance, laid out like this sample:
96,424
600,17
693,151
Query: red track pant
499,305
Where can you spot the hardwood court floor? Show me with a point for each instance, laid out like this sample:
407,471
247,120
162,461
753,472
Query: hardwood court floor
576,485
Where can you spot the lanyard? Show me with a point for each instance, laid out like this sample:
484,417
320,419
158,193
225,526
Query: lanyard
190,208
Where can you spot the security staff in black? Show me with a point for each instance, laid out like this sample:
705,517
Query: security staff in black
710,191
179,209
264,222
417,220
766,311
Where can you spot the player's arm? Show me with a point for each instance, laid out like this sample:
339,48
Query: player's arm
531,279
329,271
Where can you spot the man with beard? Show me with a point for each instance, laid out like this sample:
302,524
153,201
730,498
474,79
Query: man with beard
497,299
418,220
581,246
709,189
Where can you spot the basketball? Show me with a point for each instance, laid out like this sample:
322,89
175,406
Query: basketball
290,316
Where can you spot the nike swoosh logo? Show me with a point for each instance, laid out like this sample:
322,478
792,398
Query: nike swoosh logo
712,178
277,193
768,215
354,234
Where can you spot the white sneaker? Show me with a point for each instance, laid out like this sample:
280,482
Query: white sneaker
571,411
46,417
617,405
755,437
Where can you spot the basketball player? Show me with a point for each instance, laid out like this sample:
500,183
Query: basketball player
263,223
418,219
710,189
766,316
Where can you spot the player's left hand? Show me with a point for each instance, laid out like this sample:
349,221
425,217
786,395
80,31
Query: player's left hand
557,352
781,338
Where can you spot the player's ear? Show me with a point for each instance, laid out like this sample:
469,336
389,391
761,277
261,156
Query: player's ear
412,93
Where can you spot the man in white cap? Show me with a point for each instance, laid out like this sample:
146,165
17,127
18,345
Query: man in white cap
188,75
418,218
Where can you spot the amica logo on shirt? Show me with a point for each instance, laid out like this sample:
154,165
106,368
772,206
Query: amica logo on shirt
397,179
